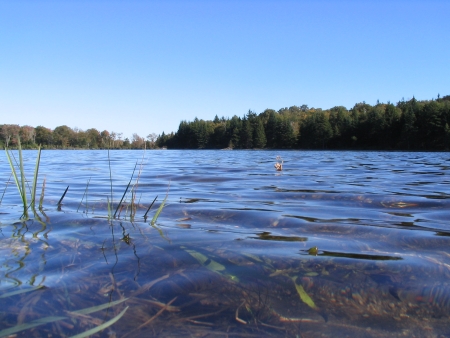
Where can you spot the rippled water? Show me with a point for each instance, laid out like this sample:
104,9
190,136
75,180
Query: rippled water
336,244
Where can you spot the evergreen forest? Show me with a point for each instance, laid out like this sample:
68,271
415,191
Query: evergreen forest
407,125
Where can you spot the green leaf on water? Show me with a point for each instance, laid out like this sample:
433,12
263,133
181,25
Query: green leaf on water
211,264
101,327
205,261
303,295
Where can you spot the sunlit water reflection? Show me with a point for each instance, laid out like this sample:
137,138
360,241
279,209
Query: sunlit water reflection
338,243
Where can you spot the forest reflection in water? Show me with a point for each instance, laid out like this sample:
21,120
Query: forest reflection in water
312,251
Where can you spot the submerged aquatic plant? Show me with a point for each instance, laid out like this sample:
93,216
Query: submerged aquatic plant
21,181
51,319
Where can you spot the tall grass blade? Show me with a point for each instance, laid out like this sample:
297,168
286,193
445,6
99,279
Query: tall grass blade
36,172
125,192
62,197
22,177
101,327
85,194
110,177
121,200
6,186
41,200
155,217
22,182
145,215
109,207
16,179
133,205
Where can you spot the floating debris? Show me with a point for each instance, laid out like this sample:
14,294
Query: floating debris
279,164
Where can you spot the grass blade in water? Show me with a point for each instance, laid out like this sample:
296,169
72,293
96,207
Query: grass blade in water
13,293
36,172
41,200
110,178
22,177
46,320
62,197
26,326
99,307
101,327
145,215
85,194
205,261
155,217
16,179
108,202
6,186
123,196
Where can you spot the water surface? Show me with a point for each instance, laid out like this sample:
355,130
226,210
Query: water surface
336,244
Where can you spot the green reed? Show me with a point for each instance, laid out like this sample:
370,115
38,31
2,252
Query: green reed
18,173
6,186
41,200
125,192
155,217
21,180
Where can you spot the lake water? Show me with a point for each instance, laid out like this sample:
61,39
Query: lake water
336,244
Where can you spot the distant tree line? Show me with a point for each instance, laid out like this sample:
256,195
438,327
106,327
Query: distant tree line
64,137
407,125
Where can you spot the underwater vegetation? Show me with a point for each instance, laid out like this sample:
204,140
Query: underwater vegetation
241,249
28,198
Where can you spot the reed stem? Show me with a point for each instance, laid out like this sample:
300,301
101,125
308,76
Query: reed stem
62,197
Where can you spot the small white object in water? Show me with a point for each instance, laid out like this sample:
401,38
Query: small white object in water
278,165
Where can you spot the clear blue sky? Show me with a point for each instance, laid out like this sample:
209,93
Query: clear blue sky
143,66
